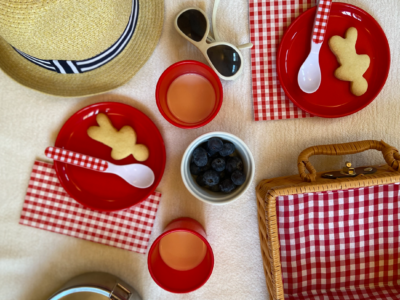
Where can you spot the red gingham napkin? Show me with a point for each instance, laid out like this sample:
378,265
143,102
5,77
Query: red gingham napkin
342,244
47,206
268,21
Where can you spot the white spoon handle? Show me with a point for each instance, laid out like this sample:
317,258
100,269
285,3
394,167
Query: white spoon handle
76,159
321,21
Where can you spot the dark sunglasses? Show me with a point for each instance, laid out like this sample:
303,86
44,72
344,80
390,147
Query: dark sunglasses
224,58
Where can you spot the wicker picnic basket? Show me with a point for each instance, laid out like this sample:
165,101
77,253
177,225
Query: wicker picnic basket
332,238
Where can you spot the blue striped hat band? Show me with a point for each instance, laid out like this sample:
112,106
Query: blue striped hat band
82,66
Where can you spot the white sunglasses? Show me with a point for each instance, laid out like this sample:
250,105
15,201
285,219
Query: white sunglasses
225,59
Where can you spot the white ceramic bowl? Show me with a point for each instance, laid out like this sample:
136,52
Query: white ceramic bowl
209,196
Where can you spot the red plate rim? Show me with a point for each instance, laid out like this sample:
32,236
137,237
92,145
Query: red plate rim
58,165
280,54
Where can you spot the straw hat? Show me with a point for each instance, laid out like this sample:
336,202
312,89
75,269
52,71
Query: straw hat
76,48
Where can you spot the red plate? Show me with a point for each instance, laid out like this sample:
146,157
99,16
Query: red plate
102,191
333,99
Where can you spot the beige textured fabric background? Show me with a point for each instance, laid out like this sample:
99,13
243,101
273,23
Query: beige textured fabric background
34,263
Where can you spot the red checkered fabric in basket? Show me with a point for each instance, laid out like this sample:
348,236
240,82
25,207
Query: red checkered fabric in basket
321,21
342,244
268,21
47,206
83,160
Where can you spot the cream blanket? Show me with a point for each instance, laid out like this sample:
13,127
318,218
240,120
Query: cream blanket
34,263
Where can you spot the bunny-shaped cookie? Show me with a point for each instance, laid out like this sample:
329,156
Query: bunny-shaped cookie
352,66
123,142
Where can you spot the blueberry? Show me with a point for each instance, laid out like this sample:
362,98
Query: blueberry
194,169
210,152
215,144
234,163
199,157
214,156
238,178
206,167
211,178
227,186
205,147
218,164
227,149
215,188
200,180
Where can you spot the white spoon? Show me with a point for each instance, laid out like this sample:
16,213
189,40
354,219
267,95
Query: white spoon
309,77
138,175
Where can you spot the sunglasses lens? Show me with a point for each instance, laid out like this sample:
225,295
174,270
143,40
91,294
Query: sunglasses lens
225,59
193,24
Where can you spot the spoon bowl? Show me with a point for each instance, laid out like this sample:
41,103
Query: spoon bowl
309,77
138,175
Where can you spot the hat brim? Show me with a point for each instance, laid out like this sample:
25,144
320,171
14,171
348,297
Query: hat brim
108,77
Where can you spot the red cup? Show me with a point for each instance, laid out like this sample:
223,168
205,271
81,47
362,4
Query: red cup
179,69
175,281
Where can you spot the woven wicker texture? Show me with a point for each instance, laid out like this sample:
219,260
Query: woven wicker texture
268,190
67,30
75,30
390,155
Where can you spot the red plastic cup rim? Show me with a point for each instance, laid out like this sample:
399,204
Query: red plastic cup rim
212,73
155,243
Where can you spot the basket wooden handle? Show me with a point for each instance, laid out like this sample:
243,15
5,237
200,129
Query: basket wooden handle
390,154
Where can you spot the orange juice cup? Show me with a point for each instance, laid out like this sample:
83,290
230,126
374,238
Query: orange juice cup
180,281
179,69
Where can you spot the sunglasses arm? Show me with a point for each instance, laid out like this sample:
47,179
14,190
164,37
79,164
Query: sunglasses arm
214,21
210,39
215,31
245,46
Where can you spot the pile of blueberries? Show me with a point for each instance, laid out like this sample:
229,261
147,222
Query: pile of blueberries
216,167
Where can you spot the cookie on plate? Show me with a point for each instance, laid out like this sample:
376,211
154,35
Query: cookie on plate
122,142
352,65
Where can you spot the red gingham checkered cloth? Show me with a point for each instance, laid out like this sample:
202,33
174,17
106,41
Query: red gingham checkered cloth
342,244
268,21
321,20
47,206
